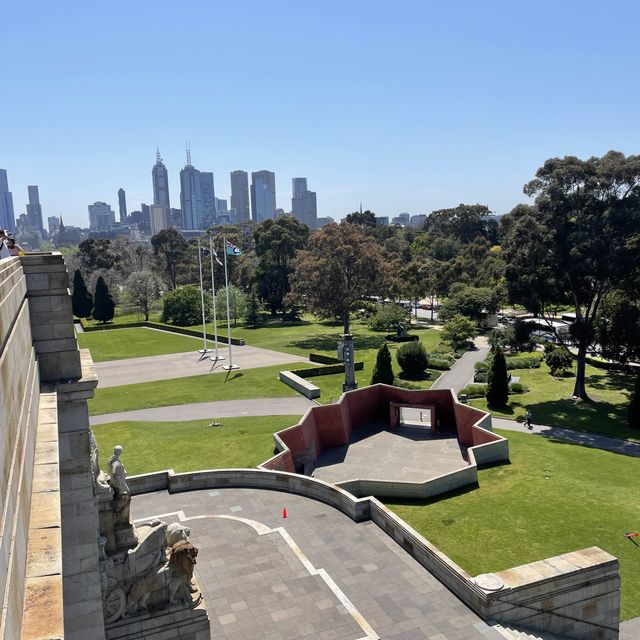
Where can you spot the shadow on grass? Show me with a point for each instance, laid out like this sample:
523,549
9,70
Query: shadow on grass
406,502
329,342
505,409
414,377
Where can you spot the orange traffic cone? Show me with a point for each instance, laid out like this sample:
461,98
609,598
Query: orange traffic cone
284,512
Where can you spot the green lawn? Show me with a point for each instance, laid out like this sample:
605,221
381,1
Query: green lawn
549,400
553,498
193,445
250,383
135,343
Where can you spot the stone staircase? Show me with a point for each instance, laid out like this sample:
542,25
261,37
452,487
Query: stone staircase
511,633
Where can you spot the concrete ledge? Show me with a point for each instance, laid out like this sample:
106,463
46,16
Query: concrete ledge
299,384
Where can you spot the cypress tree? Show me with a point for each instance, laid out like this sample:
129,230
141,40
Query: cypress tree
633,411
498,381
104,306
81,300
253,317
383,370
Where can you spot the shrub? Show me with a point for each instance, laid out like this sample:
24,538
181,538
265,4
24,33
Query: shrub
481,366
497,381
518,387
458,330
311,372
524,362
392,337
383,370
322,359
253,312
104,306
474,390
441,364
182,306
633,411
81,299
387,317
558,360
413,358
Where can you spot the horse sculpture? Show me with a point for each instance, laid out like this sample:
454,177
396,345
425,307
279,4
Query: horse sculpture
171,582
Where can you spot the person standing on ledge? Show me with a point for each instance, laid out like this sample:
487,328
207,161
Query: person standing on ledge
4,250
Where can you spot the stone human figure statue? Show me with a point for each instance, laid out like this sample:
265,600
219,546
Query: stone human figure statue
118,482
100,484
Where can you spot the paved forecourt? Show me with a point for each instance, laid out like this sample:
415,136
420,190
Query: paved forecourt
182,365
315,575
297,405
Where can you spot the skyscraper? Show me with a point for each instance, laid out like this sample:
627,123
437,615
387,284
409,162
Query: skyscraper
240,195
263,195
190,196
7,215
54,225
160,183
303,203
208,199
34,210
159,218
101,216
122,204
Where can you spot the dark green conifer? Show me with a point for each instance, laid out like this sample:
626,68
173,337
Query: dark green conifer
81,299
498,381
104,306
383,370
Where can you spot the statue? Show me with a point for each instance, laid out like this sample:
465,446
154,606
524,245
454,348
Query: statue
118,482
100,484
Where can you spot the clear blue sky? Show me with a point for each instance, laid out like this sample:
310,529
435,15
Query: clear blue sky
405,106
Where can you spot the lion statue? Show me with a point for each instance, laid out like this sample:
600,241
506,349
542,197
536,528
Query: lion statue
169,584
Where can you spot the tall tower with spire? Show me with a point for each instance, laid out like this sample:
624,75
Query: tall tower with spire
160,179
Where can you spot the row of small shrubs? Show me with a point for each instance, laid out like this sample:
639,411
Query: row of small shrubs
311,372
323,359
514,362
480,390
441,364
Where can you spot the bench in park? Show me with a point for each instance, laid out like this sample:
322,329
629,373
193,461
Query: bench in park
300,384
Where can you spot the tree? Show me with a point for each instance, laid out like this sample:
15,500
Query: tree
633,411
458,330
340,266
143,287
277,242
97,254
464,222
182,306
383,369
170,248
387,317
363,218
104,306
580,241
81,299
253,314
558,359
413,358
618,327
237,303
416,280
498,381
472,302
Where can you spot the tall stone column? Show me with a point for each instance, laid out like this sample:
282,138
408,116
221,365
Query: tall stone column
349,366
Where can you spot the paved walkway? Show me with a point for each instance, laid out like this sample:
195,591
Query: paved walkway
461,373
315,575
616,445
296,405
181,365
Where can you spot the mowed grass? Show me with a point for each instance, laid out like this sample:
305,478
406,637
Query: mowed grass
549,400
193,445
135,343
553,498
250,383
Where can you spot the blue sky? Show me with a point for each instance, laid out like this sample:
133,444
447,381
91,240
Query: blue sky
405,106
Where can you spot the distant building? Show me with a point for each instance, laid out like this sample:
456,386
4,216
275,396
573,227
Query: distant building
160,179
402,219
418,220
34,210
101,217
303,203
53,223
222,213
263,195
176,218
382,221
324,221
159,218
208,199
191,201
7,214
240,195
122,205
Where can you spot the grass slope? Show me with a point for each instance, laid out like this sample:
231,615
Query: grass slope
191,446
553,498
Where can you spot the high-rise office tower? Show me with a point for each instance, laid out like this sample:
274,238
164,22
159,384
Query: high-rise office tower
159,218
240,195
208,199
190,196
34,210
101,216
54,225
263,195
7,215
122,205
160,183
303,203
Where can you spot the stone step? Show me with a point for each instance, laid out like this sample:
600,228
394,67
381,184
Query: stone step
513,633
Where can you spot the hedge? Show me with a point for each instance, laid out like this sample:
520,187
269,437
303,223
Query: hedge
394,338
311,372
518,387
441,364
323,359
239,342
474,391
513,362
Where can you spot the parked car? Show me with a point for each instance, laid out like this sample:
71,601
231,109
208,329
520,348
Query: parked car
544,336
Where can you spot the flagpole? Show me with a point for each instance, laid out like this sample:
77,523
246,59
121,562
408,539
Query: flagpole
203,352
216,356
229,366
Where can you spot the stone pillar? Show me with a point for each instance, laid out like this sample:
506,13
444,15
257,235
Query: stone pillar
349,368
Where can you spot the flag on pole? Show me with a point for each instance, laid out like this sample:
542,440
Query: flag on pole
232,250
205,251
214,253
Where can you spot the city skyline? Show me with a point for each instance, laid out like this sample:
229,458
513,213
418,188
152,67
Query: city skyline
412,109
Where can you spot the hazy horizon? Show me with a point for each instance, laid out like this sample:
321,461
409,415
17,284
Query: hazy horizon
410,107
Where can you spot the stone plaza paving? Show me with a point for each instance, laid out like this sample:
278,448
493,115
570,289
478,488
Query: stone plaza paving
315,575
407,453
